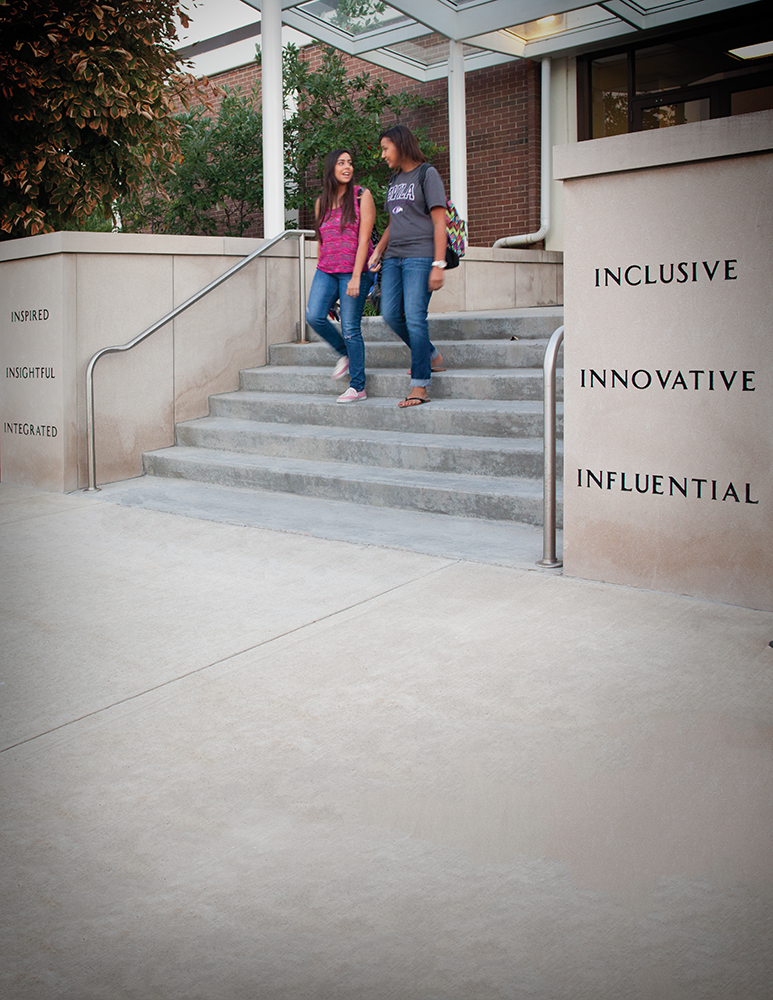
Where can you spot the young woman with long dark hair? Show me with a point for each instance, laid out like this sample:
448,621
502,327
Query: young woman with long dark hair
413,249
345,214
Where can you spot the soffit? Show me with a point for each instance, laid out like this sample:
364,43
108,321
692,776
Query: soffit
411,36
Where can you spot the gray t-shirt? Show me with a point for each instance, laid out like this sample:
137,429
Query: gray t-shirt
411,233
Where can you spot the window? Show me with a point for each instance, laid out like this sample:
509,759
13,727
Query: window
673,81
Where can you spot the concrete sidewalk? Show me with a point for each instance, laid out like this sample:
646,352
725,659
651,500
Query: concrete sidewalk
245,763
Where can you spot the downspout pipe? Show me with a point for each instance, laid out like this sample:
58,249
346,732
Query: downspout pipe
526,239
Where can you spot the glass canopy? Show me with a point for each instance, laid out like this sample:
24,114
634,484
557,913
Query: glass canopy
354,18
408,36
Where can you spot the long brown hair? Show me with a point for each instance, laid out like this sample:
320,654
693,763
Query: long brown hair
329,196
405,141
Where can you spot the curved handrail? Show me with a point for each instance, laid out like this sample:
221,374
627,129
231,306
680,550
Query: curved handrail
287,234
549,560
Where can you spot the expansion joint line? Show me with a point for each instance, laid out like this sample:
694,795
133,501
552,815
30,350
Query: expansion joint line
224,659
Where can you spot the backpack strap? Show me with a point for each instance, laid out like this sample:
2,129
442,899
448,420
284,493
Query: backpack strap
422,174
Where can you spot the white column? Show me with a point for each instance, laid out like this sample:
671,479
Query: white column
273,139
457,127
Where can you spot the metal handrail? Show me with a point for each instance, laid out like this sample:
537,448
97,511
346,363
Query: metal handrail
287,234
549,560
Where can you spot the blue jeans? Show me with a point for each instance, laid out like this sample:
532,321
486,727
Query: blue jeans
405,299
325,290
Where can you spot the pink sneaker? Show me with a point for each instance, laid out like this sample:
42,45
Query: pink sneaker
352,395
342,368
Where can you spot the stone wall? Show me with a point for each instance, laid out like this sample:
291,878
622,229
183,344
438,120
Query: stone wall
68,295
669,359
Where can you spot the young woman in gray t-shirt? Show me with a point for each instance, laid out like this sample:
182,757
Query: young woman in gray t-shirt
412,253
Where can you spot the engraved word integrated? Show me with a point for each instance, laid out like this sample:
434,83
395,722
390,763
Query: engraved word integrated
30,430
662,485
663,274
22,371
29,315
643,379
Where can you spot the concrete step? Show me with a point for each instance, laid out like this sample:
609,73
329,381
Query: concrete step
456,354
438,492
501,543
481,383
538,323
479,417
464,454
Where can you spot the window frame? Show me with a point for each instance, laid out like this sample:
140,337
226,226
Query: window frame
719,92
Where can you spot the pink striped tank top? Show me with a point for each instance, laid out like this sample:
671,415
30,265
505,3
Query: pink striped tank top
338,250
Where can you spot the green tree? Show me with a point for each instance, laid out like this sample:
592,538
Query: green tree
217,184
333,109
87,106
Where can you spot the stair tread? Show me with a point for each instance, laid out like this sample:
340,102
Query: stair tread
464,383
489,324
437,341
459,355
520,312
451,373
528,406
416,439
459,482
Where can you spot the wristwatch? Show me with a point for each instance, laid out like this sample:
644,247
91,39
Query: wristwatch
440,263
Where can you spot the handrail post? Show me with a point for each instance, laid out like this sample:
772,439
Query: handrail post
90,445
549,560
302,289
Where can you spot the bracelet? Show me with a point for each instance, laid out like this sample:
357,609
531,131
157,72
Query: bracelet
439,263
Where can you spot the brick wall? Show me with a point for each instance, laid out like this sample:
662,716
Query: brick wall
503,137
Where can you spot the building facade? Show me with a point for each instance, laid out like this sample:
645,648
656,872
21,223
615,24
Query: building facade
505,92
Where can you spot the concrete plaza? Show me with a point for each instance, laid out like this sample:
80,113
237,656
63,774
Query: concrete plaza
245,760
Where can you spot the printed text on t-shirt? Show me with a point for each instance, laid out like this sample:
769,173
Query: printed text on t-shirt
400,192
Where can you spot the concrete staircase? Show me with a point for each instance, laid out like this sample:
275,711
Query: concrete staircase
474,451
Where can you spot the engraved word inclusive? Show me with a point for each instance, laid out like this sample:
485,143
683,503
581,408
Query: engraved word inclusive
663,274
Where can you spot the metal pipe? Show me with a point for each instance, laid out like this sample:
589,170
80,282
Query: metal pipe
90,436
302,289
457,127
546,172
549,560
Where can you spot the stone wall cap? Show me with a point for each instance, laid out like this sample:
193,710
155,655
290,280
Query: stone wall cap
514,255
47,244
136,243
718,138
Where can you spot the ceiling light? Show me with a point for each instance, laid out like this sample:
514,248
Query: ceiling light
753,51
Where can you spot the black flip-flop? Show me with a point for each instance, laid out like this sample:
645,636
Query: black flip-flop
414,401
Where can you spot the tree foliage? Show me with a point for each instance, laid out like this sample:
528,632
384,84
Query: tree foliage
87,89
334,109
357,15
217,184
